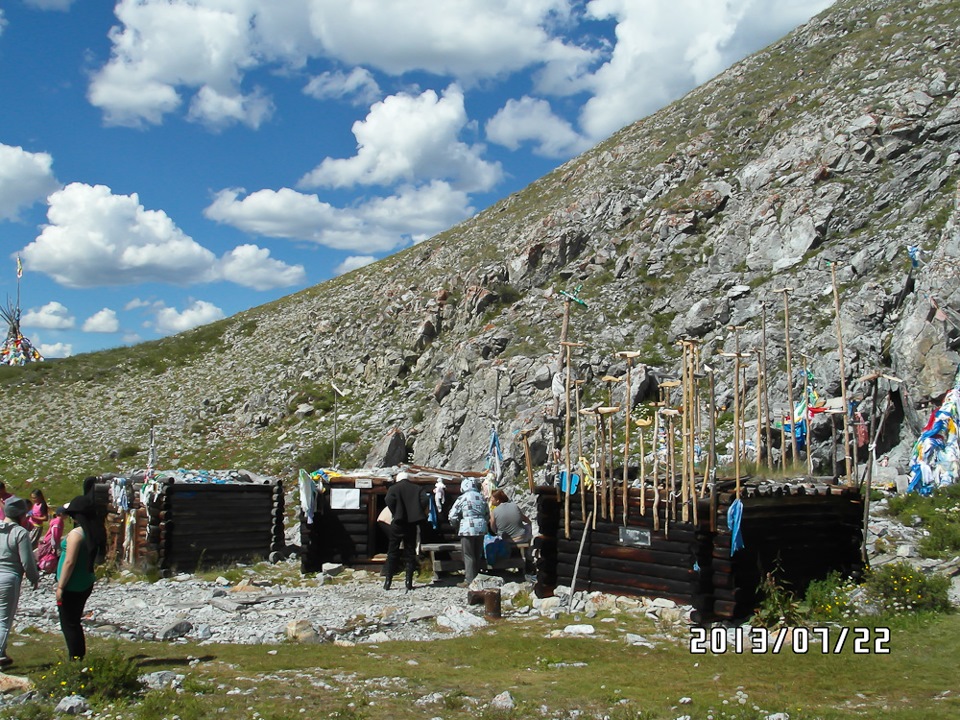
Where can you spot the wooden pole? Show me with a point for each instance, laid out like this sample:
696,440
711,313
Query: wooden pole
641,424
525,437
583,489
628,401
759,409
806,395
843,376
736,417
786,329
766,395
711,466
656,468
568,346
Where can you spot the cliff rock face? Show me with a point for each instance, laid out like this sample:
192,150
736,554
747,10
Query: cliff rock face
833,150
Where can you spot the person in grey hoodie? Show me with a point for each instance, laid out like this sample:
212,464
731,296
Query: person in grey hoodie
16,560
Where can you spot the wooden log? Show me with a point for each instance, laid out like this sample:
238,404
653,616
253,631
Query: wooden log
673,572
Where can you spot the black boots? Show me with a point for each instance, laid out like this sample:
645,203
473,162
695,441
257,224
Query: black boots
409,582
386,582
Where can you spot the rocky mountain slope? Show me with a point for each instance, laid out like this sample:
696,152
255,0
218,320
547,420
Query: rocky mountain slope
836,148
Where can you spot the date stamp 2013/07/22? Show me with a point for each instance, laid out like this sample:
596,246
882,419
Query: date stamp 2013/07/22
798,640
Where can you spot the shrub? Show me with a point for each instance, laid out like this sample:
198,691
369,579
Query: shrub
829,600
778,606
900,588
100,676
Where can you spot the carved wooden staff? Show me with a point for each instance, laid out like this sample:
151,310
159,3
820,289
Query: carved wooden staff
656,466
843,375
592,412
786,330
568,346
524,437
641,424
609,494
583,503
630,355
711,464
668,413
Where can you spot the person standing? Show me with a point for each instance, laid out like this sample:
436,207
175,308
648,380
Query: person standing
16,560
473,515
75,576
408,502
48,550
37,516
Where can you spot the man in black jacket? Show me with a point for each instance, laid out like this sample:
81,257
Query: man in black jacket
409,503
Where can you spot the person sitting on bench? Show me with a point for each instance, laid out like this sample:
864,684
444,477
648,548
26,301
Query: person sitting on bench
508,519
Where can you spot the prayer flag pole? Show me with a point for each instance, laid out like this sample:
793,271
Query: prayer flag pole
843,375
786,329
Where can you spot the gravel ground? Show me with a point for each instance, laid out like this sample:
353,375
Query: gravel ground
352,607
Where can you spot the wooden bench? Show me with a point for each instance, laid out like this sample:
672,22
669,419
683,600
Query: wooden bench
447,557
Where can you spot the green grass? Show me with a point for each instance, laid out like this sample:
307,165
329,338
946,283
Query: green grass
596,676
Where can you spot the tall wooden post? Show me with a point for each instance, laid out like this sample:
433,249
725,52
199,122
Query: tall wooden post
806,396
759,408
525,438
766,394
786,329
628,401
567,440
583,501
843,376
711,466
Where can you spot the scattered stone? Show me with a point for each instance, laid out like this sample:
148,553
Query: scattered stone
331,569
161,679
302,631
176,630
72,705
11,683
503,701
579,630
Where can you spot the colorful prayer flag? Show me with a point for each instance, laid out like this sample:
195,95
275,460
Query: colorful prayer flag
19,268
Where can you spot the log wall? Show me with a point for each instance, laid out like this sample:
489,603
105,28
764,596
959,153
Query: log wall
193,526
800,532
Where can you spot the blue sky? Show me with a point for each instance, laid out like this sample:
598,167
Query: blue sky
166,163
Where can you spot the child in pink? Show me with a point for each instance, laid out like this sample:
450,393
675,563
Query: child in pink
48,551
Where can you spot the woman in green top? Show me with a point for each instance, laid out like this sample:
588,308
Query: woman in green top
75,576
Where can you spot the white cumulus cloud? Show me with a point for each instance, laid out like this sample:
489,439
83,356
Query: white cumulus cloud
163,50
357,86
377,225
352,263
96,238
252,266
531,120
25,178
199,312
102,321
407,138
54,350
665,49
52,316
